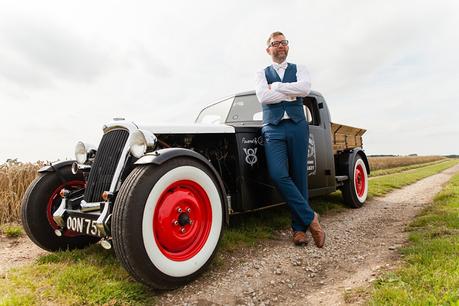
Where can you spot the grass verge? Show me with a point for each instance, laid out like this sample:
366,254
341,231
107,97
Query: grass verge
430,275
94,276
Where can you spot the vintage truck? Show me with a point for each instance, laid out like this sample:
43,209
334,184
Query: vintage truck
161,195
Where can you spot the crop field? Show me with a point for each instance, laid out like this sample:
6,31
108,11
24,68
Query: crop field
387,162
16,176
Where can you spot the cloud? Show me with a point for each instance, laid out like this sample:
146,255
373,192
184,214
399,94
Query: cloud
36,53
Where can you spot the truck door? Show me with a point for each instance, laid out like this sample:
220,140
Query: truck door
317,154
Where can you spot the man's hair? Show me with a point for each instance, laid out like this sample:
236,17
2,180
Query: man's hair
273,34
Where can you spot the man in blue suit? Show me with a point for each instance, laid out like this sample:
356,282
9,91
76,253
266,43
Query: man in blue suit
280,88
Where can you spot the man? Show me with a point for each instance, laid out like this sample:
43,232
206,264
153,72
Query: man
280,88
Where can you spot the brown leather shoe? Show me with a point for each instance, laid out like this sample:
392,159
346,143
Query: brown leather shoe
300,238
317,232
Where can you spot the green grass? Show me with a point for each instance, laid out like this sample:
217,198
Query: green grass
94,276
381,185
12,231
430,274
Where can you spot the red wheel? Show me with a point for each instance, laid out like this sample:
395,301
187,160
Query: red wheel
182,220
167,222
55,200
40,201
355,190
360,180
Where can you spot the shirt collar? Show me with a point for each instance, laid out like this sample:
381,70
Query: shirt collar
282,65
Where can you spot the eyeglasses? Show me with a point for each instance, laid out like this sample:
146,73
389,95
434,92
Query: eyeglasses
278,43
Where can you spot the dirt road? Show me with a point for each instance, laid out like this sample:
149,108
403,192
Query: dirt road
361,244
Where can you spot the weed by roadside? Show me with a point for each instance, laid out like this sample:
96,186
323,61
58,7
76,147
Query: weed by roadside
12,230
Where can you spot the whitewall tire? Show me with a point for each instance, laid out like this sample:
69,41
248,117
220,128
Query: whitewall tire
167,222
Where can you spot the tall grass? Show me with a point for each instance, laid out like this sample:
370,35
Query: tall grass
387,162
15,177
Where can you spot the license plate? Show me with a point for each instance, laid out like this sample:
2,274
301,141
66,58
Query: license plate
83,226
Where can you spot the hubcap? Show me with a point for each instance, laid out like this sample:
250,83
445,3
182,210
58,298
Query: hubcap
182,220
359,180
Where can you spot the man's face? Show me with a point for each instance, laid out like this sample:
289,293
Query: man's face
279,53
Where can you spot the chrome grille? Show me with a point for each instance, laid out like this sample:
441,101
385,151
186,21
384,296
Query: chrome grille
103,169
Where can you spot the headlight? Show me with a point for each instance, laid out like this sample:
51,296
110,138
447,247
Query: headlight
141,141
83,151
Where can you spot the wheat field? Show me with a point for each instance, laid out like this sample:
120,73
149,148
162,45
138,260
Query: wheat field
386,162
15,177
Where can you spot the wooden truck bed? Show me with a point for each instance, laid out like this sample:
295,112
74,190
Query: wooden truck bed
346,137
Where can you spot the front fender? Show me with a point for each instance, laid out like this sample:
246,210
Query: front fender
346,161
54,167
365,159
160,156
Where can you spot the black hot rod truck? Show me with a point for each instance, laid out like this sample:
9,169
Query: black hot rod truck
161,195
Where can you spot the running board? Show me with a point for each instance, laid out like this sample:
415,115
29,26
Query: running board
340,180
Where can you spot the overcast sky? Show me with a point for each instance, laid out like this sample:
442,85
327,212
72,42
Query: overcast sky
67,67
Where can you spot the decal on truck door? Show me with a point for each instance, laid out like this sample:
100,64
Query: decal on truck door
311,156
251,155
255,140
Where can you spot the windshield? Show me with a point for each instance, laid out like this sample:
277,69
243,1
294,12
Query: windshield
245,109
215,113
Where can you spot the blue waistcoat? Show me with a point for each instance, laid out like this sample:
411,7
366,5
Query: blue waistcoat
273,113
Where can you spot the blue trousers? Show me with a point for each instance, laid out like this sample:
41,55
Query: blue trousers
286,149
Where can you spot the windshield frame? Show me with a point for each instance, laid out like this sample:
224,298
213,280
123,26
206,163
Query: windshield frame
211,106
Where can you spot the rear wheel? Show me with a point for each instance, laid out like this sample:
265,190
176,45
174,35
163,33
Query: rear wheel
167,222
355,189
41,200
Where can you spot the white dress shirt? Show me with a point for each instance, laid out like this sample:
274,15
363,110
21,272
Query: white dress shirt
282,91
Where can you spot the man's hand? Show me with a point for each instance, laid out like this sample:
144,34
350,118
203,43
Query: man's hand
269,86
